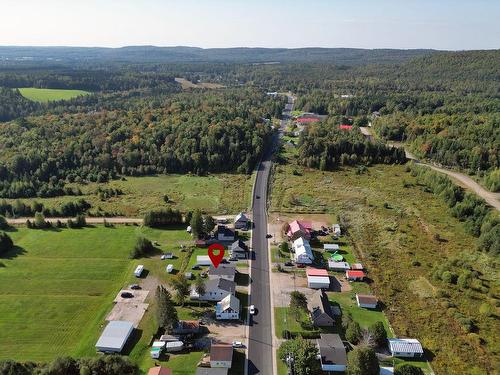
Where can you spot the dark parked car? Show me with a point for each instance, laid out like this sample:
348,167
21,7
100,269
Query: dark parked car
269,235
127,295
289,264
135,286
195,267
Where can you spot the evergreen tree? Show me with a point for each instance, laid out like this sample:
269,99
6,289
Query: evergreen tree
166,315
197,224
181,286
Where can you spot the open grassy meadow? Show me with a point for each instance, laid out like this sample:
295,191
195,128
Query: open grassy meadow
49,95
215,194
402,233
58,286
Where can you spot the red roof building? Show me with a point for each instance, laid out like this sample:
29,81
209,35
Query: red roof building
355,275
160,371
316,272
298,229
345,127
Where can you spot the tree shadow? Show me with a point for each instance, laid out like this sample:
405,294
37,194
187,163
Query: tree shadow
242,279
13,253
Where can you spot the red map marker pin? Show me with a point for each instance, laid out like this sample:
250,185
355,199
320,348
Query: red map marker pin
216,258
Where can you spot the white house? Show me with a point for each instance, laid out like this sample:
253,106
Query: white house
215,290
228,308
303,251
317,278
221,355
203,260
406,348
332,353
331,247
338,266
366,301
241,221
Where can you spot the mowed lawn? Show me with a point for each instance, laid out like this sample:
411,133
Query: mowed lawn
58,286
214,194
49,95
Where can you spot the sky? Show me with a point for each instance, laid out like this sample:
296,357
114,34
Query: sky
438,24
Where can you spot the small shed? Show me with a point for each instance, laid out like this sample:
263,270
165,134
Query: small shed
338,266
114,336
357,266
354,275
406,348
203,260
331,247
317,278
367,301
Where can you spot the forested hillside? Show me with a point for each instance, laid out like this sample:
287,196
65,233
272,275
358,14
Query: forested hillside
445,106
201,133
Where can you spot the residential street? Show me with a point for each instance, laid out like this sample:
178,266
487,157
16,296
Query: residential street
260,345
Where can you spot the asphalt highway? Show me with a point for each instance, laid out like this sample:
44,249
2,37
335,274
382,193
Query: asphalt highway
260,344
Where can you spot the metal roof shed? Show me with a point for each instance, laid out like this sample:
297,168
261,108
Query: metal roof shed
114,336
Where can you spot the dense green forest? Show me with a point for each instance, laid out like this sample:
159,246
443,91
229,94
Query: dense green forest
207,132
327,147
136,121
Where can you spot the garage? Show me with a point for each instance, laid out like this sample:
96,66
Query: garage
114,337
317,278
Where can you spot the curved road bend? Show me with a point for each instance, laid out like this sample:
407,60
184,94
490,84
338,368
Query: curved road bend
493,199
260,340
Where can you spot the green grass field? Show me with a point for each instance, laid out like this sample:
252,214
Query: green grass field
214,194
58,286
401,232
50,95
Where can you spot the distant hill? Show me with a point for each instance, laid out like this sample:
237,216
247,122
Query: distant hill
151,54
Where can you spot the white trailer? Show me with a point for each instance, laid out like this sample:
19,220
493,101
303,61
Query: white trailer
138,270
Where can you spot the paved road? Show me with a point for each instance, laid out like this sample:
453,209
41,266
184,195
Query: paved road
260,343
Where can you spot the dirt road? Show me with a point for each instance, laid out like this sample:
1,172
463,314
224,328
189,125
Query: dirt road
493,199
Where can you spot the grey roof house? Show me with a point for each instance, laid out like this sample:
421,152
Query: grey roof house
332,352
321,311
224,271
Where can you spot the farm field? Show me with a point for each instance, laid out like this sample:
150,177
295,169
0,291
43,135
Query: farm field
58,286
401,233
214,194
200,85
49,95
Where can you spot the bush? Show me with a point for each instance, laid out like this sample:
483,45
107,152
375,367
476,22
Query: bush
377,331
3,223
362,361
408,370
353,333
141,248
6,243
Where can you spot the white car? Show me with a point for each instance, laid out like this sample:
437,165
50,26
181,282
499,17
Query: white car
237,344
251,309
